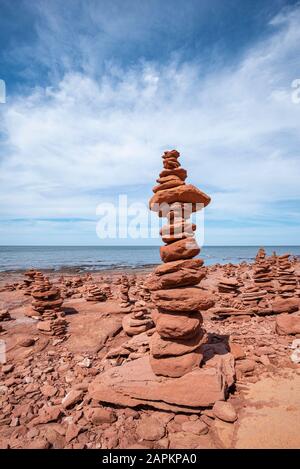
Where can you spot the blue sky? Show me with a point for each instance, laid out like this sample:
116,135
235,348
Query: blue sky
96,90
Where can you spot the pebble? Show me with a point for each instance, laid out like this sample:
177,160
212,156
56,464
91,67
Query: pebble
225,411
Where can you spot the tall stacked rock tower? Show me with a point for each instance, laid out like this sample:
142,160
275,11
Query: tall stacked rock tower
176,344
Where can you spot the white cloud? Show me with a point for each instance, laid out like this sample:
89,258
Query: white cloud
237,129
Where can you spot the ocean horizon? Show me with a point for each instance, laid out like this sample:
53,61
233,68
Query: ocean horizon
100,258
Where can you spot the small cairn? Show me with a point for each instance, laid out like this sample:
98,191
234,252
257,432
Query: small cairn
106,288
45,296
139,320
53,327
257,292
229,285
46,305
260,256
95,293
176,345
29,281
124,294
286,277
263,274
252,296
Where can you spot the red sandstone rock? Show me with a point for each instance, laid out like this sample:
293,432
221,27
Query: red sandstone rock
174,266
179,278
285,305
225,411
150,428
196,427
182,249
176,366
168,185
161,347
237,351
180,172
176,326
185,194
72,398
135,383
178,227
288,324
183,299
99,415
245,366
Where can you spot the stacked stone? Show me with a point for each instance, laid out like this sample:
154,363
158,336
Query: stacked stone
253,296
77,282
229,285
260,256
257,290
95,293
124,293
107,290
263,273
145,294
28,281
47,303
45,296
53,327
176,345
286,277
139,320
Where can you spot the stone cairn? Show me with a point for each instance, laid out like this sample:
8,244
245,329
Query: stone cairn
139,320
176,344
46,305
229,285
106,288
263,274
125,303
95,293
31,276
286,277
256,292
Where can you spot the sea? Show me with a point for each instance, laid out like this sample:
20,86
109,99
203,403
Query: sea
97,258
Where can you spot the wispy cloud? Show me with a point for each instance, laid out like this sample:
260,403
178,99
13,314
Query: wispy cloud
80,141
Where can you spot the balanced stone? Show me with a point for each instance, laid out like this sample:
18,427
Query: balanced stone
175,346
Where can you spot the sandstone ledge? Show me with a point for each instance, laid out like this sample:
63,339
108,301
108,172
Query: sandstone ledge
134,384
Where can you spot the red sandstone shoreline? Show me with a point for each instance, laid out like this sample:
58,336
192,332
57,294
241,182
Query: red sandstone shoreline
48,381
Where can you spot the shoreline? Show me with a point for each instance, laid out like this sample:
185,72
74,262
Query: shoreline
81,260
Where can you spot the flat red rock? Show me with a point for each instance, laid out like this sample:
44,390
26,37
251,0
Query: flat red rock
135,383
185,194
182,249
183,299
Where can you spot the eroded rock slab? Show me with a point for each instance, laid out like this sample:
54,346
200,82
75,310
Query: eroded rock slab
135,384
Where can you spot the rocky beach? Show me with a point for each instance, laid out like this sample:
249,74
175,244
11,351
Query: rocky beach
180,356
